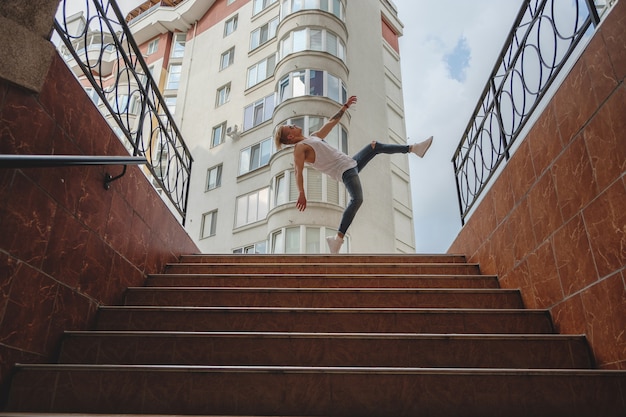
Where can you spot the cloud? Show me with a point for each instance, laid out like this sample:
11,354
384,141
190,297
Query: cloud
448,50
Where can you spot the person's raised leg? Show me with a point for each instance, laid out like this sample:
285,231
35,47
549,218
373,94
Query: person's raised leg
353,185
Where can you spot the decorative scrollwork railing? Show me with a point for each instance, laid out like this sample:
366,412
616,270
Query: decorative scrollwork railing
100,45
543,37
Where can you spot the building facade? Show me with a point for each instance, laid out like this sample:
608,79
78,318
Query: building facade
232,70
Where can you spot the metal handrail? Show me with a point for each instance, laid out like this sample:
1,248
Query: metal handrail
49,161
129,97
522,75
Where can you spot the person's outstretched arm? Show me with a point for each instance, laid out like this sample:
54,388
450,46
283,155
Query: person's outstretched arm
328,126
298,161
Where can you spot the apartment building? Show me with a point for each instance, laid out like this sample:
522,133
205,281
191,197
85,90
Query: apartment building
232,70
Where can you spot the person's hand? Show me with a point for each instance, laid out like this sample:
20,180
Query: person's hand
350,102
301,203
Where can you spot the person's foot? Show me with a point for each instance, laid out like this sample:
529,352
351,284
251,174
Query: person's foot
334,243
420,149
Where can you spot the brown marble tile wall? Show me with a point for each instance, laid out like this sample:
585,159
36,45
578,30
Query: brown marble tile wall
554,223
66,244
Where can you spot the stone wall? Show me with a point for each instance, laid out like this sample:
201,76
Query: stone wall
67,245
554,222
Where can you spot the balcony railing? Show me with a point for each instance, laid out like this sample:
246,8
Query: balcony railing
130,99
543,37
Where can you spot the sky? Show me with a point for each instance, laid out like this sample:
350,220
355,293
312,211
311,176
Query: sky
448,50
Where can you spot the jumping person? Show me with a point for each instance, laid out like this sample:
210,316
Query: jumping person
320,155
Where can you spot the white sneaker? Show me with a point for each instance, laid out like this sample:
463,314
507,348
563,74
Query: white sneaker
420,149
334,244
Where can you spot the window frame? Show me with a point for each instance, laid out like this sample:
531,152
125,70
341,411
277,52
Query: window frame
176,52
230,54
266,104
259,5
222,95
247,201
270,27
222,138
153,47
264,64
263,157
212,226
230,25
218,181
171,74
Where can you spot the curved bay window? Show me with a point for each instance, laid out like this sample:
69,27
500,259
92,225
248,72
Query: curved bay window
303,239
310,82
335,7
312,39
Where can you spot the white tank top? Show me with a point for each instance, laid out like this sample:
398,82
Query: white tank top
329,160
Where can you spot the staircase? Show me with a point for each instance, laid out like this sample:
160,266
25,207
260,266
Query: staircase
343,335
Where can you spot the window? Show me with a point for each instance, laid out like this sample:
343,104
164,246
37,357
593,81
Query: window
230,25
278,244
153,46
331,6
214,177
301,239
223,94
229,2
257,248
312,82
252,207
314,40
263,34
173,78
217,137
93,95
227,58
255,156
260,5
209,224
292,240
178,45
261,71
312,240
170,102
280,190
258,112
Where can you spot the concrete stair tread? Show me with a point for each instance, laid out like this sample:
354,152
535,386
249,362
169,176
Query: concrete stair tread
389,310
335,289
325,280
326,349
313,258
338,391
327,268
318,335
323,297
324,369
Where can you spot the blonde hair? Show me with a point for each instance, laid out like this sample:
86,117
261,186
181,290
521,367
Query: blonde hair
278,137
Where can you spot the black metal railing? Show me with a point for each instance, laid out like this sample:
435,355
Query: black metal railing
543,37
99,47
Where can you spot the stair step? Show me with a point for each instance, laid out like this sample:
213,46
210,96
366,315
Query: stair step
324,268
327,391
322,281
351,320
326,349
323,297
321,259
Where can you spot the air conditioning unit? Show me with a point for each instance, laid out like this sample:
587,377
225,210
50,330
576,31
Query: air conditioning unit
233,133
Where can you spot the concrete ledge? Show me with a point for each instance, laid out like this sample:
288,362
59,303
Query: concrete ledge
25,57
